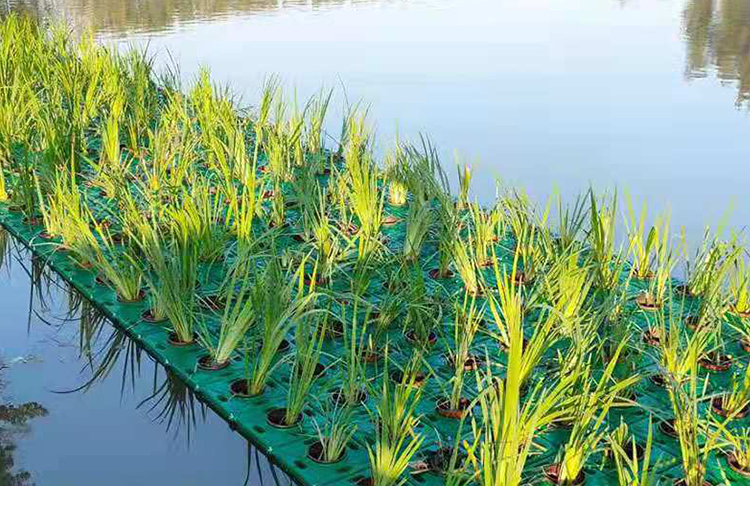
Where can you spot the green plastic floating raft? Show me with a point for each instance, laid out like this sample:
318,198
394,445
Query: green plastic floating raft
289,448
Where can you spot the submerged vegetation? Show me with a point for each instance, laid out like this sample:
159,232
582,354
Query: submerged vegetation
385,320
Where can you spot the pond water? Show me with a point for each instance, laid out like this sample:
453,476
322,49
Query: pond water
82,405
650,96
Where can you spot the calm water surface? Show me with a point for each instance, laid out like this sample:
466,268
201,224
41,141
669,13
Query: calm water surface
650,96
81,404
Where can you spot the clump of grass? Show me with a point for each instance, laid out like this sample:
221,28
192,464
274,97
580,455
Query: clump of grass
608,259
279,305
309,335
418,223
739,286
335,433
633,470
396,440
172,273
646,249
237,316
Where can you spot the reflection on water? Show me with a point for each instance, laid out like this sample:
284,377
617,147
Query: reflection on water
107,404
14,421
717,33
152,16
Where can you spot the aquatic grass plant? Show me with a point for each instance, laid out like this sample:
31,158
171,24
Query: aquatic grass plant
567,287
697,436
484,232
737,441
356,335
237,316
739,285
571,220
364,196
423,315
503,437
608,258
735,401
418,222
714,300
464,173
633,470
396,164
308,339
171,273
279,304
316,111
120,267
645,247
679,349
593,400
466,265
396,439
335,433
467,321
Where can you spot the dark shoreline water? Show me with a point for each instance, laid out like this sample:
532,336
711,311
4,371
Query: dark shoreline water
81,404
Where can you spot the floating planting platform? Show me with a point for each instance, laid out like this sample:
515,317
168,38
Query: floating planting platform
290,448
365,303
248,416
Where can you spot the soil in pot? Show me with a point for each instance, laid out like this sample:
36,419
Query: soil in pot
315,453
652,337
553,471
736,466
370,356
716,362
683,290
283,346
444,408
213,302
471,363
418,379
658,380
521,279
241,388
692,322
717,406
339,399
140,298
335,329
148,317
668,429
32,221
320,369
411,336
320,281
206,362
437,274
174,340
275,418
647,302
438,461
390,220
